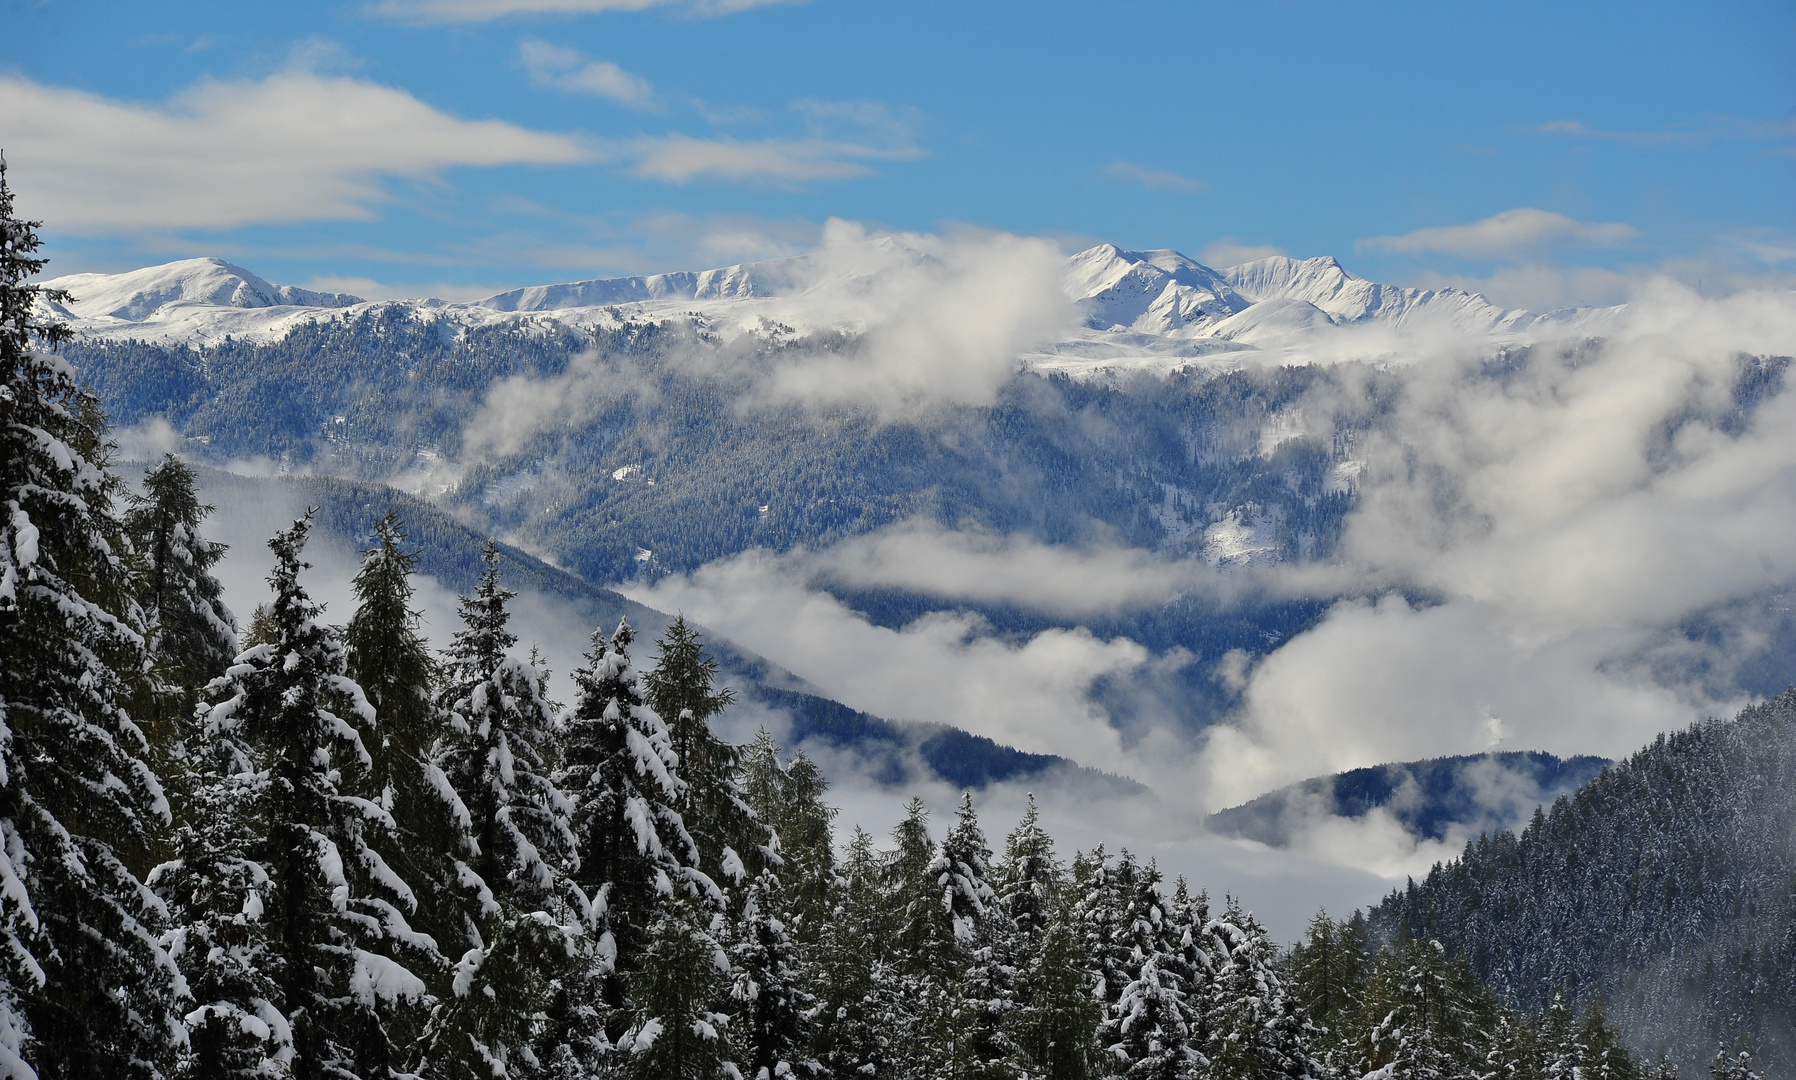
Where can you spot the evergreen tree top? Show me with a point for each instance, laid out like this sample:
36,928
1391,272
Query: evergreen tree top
19,244
484,638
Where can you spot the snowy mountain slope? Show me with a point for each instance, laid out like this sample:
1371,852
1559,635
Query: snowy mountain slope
1345,298
1149,292
190,283
1149,311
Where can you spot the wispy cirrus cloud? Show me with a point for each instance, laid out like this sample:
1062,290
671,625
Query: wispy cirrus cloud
296,146
477,11
680,159
842,141
1577,129
567,70
1152,179
1509,233
1715,129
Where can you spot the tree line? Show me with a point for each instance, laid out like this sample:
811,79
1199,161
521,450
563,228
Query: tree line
306,850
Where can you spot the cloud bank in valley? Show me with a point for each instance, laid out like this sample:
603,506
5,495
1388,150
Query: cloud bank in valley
1530,532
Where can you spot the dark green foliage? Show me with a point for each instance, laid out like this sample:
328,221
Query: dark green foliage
430,844
336,908
85,987
192,635
1328,975
680,688
769,989
618,767
677,1031
497,756
788,798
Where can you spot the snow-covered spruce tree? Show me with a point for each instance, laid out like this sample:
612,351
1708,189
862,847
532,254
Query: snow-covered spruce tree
1030,877
1147,1028
1605,1056
336,908
431,843
1558,1042
1257,1029
192,634
1421,1016
676,1031
221,898
497,756
857,986
85,987
983,994
769,989
632,847
681,689
1728,1066
1328,975
1052,1019
928,960
788,798
1510,1053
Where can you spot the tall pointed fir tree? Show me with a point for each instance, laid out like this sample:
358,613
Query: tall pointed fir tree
857,984
983,988
221,898
681,689
498,757
86,989
1052,1018
336,907
1328,975
1421,1016
632,849
192,634
676,1030
788,798
1256,1028
769,989
431,843
1148,1027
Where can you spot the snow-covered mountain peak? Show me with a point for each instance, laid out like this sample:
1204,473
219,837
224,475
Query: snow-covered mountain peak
1148,292
141,294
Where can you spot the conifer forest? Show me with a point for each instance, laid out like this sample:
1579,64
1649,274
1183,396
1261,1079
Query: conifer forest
268,845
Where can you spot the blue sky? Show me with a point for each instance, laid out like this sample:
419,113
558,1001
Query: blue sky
460,146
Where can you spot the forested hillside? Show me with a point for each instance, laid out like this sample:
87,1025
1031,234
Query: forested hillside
1665,887
1471,793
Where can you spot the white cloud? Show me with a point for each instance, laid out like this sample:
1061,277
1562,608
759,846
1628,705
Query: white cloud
1152,179
940,320
679,159
943,667
1508,233
566,69
1226,252
1570,513
842,139
296,146
467,11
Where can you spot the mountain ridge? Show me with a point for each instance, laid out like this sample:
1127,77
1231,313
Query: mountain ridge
1153,309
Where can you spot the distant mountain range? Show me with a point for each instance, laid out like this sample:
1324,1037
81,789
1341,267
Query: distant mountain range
1156,310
